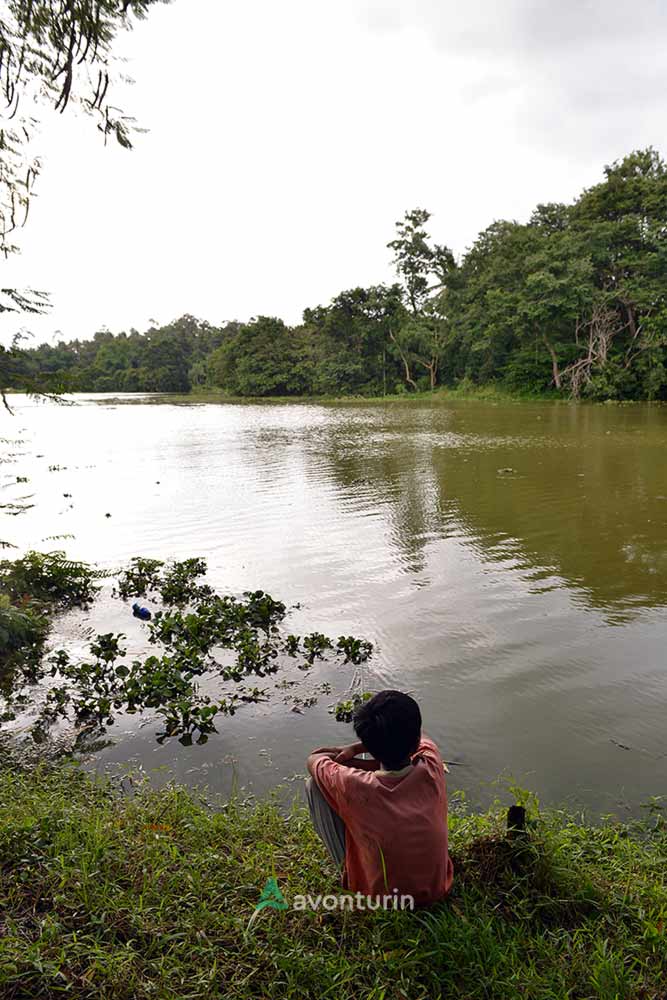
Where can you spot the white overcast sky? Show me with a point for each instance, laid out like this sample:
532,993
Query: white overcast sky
285,138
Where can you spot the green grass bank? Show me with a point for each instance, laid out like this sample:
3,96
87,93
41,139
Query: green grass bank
149,895
491,393
494,393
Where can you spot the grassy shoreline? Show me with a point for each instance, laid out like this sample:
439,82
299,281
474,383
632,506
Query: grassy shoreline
483,394
148,895
490,394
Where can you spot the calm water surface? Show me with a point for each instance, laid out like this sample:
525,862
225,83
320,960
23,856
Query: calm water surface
508,561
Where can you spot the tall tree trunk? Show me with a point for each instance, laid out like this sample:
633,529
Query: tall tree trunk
554,361
408,377
632,323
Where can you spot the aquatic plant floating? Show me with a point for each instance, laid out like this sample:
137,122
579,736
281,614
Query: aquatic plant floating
193,632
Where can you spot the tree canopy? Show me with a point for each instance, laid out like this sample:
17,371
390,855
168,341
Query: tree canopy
571,302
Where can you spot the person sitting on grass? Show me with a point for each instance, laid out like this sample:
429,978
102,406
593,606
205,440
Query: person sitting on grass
385,818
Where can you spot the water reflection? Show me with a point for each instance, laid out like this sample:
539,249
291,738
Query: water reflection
509,561
574,495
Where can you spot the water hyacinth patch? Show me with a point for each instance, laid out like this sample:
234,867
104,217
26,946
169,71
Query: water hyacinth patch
193,632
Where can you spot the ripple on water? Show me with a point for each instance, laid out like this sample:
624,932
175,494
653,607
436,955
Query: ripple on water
525,609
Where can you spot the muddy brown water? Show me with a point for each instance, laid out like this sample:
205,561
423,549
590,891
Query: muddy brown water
509,561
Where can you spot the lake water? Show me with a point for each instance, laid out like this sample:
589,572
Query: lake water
508,561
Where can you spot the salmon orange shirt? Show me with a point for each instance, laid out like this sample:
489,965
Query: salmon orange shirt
396,826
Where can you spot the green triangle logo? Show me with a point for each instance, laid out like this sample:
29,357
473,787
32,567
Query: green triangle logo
271,896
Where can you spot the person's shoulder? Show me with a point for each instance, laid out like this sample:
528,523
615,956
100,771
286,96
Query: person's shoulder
428,752
427,749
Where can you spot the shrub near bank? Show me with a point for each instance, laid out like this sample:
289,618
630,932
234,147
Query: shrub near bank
32,590
150,895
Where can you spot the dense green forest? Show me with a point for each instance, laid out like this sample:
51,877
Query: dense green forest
572,302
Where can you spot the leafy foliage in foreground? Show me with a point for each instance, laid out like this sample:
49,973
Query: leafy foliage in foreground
31,590
49,577
117,898
23,631
194,632
55,53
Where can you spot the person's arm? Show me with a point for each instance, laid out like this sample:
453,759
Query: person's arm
329,752
349,756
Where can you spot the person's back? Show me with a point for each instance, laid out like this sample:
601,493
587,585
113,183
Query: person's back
394,808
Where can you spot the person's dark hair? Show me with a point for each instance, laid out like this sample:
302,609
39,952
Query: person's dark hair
389,725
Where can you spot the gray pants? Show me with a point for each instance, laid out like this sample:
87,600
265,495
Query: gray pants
328,825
